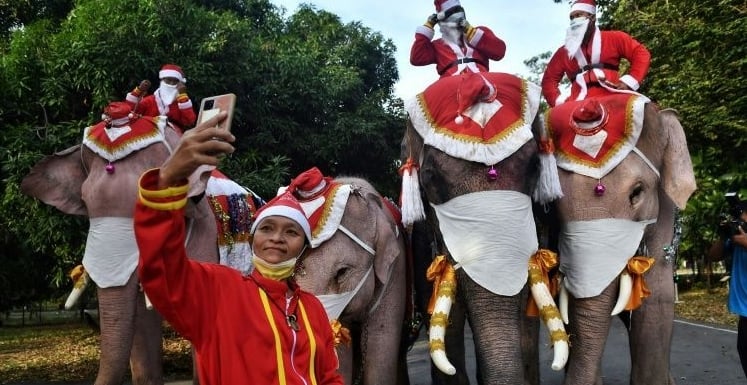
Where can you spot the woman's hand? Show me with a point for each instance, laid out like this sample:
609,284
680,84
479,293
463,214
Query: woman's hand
202,145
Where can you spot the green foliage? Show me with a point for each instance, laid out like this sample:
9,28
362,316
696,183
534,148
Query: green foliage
698,64
311,92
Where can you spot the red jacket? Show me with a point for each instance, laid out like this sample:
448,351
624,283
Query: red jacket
482,45
616,45
180,111
236,323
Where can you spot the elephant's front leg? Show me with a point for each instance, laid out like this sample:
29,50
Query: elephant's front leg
651,330
147,349
117,321
589,322
496,329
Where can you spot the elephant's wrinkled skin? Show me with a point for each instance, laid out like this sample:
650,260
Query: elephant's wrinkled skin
375,314
76,182
633,192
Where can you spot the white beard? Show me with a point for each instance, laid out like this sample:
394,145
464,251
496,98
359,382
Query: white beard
575,35
451,34
167,93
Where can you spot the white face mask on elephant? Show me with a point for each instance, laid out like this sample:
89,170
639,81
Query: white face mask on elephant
593,253
334,304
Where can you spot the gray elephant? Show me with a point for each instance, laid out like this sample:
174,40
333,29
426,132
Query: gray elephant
98,179
471,145
625,170
357,269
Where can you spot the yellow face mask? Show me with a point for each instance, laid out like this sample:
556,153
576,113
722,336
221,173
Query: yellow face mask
276,271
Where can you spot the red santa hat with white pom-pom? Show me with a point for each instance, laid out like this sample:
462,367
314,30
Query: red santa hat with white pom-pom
443,6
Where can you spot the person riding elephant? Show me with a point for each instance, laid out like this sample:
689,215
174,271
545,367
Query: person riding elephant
590,58
470,144
169,101
462,47
98,179
625,171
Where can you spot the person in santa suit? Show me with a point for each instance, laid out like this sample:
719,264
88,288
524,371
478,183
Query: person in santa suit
170,101
590,58
462,47
252,328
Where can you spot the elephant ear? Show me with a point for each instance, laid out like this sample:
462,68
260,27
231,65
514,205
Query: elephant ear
388,242
677,178
57,179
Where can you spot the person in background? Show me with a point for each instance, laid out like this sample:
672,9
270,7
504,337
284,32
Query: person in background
259,328
733,244
170,101
590,58
461,47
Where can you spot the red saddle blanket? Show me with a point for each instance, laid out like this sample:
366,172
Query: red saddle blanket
117,142
482,117
594,135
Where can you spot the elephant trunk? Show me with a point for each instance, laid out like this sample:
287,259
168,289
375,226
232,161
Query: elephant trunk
546,306
444,277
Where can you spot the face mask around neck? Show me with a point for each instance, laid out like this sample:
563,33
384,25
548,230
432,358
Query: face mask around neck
276,271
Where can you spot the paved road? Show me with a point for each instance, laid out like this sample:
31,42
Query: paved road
701,355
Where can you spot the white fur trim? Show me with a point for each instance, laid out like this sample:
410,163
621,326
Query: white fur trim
172,74
425,31
584,8
630,82
287,212
476,38
448,4
185,105
131,98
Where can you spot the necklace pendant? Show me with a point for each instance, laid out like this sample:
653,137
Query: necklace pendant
292,323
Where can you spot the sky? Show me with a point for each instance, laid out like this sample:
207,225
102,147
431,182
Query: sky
529,28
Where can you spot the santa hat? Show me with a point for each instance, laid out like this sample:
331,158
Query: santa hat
172,71
442,6
309,184
284,205
588,6
117,114
473,89
589,116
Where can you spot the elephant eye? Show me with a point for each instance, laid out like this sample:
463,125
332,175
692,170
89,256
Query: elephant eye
635,195
340,275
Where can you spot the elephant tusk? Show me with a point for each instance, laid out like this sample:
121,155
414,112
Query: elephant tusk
550,314
563,300
437,334
148,304
78,288
626,288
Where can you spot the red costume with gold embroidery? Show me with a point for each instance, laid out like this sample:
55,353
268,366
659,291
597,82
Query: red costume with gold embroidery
591,59
476,47
238,324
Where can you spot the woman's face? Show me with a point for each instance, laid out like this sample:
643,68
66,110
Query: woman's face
278,239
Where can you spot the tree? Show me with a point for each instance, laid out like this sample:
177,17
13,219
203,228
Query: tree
311,92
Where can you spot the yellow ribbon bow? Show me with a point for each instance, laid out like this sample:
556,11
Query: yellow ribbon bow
340,333
540,265
440,271
636,267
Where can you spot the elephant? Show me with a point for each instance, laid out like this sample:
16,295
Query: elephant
98,179
625,171
472,146
357,268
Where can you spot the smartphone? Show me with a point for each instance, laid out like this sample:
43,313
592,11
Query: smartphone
212,105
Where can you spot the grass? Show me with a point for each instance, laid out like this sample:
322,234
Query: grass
69,352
